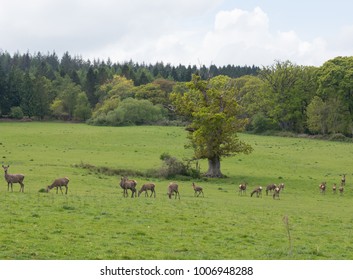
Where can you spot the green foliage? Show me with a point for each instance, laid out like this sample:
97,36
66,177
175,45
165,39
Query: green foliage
130,111
46,86
173,167
289,94
317,116
215,120
82,110
260,123
16,112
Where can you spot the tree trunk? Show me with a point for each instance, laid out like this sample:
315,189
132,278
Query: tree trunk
214,168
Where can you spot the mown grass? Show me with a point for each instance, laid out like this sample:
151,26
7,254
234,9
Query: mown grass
94,221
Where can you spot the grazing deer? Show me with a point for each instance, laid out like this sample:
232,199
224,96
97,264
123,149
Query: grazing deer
13,178
59,183
334,188
343,180
322,187
258,191
173,188
127,184
277,190
270,188
242,189
197,190
148,187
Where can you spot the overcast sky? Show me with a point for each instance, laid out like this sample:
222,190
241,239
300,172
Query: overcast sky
196,32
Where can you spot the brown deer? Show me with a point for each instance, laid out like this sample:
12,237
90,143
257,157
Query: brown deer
148,187
343,180
127,184
277,190
270,188
13,178
258,191
322,187
59,183
334,188
173,188
197,190
242,189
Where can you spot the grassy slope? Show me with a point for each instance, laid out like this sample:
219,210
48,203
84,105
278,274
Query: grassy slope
95,222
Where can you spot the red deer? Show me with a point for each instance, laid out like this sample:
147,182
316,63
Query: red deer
197,190
148,187
270,188
59,183
334,188
13,178
343,180
127,184
258,191
242,189
322,187
173,188
277,190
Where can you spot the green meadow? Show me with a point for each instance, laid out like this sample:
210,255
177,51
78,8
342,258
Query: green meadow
94,220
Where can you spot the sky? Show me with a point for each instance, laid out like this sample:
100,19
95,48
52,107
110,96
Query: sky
188,32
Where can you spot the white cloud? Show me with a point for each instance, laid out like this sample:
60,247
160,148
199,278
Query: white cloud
186,32
244,37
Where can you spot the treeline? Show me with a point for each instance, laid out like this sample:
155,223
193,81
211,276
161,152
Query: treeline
38,85
283,96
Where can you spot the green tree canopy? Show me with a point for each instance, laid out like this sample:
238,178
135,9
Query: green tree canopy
215,120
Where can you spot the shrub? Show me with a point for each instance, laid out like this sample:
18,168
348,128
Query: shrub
130,112
16,112
261,123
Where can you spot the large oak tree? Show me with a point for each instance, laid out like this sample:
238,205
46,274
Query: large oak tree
215,118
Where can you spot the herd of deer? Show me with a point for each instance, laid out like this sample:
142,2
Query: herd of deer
258,190
127,184
322,186
173,188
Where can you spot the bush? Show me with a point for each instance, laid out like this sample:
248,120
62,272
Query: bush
130,112
16,113
338,137
172,167
261,123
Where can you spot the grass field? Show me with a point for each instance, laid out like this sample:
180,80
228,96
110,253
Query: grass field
94,221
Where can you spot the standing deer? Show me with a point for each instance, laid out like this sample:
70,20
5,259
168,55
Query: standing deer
127,184
59,183
270,188
197,190
13,178
343,180
277,190
242,189
258,191
148,187
322,187
334,188
173,188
